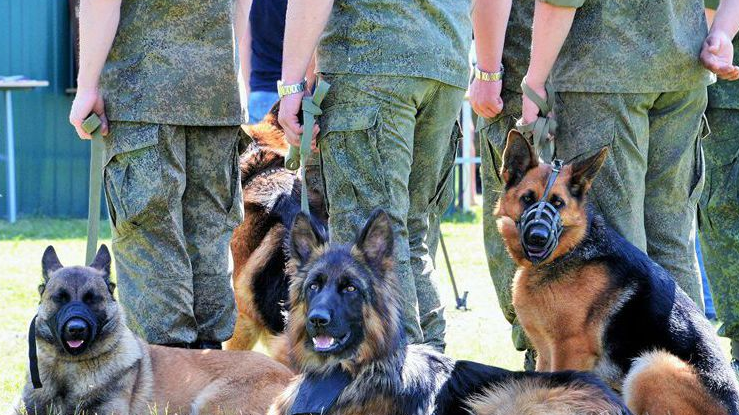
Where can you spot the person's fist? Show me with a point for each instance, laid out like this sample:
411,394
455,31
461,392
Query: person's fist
717,56
485,98
85,103
288,119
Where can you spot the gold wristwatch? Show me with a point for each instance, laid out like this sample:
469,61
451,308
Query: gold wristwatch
489,76
283,90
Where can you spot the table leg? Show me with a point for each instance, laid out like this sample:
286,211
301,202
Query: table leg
11,157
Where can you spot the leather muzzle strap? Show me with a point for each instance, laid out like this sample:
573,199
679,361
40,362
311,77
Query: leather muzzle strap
32,356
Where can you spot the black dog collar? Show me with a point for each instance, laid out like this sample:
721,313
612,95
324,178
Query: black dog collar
318,393
33,356
542,213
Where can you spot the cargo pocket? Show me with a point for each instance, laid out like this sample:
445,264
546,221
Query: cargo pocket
236,211
445,189
593,134
699,173
133,177
350,163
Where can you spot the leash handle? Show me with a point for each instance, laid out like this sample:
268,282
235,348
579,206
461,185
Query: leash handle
543,129
298,156
93,126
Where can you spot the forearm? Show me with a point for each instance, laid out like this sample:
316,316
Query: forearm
242,29
726,20
304,24
490,19
98,26
551,26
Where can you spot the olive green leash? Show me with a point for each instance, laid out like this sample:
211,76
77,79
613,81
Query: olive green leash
298,156
93,126
541,131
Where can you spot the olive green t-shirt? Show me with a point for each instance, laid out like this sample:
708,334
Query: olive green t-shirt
632,46
420,38
724,94
173,62
517,50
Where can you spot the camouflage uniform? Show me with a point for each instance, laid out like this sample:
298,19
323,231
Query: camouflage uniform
719,205
171,171
398,72
628,77
493,133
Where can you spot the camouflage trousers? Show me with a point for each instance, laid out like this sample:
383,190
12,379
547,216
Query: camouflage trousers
385,143
174,198
649,186
492,134
719,219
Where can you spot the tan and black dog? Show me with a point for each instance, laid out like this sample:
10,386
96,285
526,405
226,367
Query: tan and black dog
89,362
271,197
346,337
598,303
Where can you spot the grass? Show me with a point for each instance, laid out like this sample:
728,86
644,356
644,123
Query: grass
481,334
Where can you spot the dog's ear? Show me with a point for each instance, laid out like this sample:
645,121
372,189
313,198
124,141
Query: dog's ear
305,239
375,240
584,171
49,263
102,263
518,158
271,117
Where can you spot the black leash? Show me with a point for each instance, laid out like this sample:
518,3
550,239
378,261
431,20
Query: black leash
32,356
318,393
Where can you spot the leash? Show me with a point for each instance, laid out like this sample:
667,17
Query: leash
32,356
298,156
319,392
543,129
92,125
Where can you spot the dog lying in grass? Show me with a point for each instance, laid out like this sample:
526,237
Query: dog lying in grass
589,300
346,339
89,362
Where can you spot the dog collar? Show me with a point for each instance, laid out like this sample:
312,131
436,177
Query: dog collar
33,356
319,392
265,173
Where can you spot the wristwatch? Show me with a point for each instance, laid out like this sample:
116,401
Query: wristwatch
489,76
283,90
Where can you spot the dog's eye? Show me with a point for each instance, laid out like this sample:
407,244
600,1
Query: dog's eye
350,288
528,198
88,298
62,297
313,286
558,203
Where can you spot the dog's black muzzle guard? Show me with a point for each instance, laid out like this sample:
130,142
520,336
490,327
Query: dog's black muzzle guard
76,310
540,225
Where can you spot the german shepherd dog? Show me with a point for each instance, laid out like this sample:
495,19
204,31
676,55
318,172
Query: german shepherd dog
89,362
598,303
271,197
345,317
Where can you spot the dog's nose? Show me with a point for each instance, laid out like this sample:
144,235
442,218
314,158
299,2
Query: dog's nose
319,318
537,236
76,328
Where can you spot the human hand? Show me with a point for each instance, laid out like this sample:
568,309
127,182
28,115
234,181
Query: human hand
717,56
288,119
87,101
530,111
485,97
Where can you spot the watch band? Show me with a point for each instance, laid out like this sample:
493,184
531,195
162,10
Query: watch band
283,90
489,76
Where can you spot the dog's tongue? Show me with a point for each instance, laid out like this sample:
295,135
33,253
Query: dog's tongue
323,342
75,343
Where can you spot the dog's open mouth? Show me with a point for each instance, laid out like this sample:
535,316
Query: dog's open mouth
75,344
326,344
537,253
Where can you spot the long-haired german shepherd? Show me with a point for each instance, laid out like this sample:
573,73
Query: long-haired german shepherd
271,197
89,362
345,318
598,303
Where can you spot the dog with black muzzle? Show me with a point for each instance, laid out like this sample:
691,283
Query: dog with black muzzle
346,338
85,360
590,300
